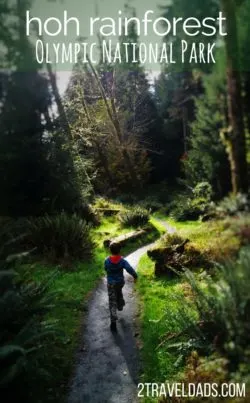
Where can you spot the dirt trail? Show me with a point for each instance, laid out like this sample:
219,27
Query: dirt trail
107,369
168,227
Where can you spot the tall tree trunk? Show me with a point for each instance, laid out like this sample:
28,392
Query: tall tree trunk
247,98
97,144
125,154
236,134
61,111
59,104
104,162
63,117
112,114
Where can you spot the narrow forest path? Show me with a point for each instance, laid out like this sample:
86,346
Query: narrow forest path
107,367
166,225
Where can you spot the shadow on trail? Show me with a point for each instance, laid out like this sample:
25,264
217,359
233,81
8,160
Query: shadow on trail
125,340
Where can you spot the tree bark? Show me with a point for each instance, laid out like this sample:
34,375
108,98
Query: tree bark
59,104
98,146
104,163
125,154
247,98
112,114
124,239
236,135
62,115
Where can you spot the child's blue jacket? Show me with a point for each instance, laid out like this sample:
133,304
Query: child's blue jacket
114,266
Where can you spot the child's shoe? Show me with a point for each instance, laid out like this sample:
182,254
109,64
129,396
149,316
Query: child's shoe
113,327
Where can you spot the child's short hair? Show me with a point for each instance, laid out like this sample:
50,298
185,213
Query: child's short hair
115,248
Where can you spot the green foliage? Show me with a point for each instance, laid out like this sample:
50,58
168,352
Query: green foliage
87,213
60,238
22,154
106,206
151,203
23,330
102,202
185,9
154,294
207,159
190,209
40,171
134,217
240,225
67,184
222,307
203,190
168,240
206,369
202,370
10,234
173,254
233,205
193,204
118,156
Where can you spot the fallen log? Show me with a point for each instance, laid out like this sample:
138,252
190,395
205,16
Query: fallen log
168,260
123,239
164,270
107,211
162,254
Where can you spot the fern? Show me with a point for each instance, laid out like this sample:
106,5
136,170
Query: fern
22,328
61,237
135,217
217,318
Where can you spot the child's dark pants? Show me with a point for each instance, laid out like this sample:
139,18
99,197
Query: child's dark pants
116,300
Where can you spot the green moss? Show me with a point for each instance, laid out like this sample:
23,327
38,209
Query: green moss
160,227
157,298
213,238
70,290
161,300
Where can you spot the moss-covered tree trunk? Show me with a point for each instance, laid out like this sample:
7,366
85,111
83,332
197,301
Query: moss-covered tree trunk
247,98
96,142
113,116
236,135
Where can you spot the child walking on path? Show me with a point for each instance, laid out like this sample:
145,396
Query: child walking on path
114,266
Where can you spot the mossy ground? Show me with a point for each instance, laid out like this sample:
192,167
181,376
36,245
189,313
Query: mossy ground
159,296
